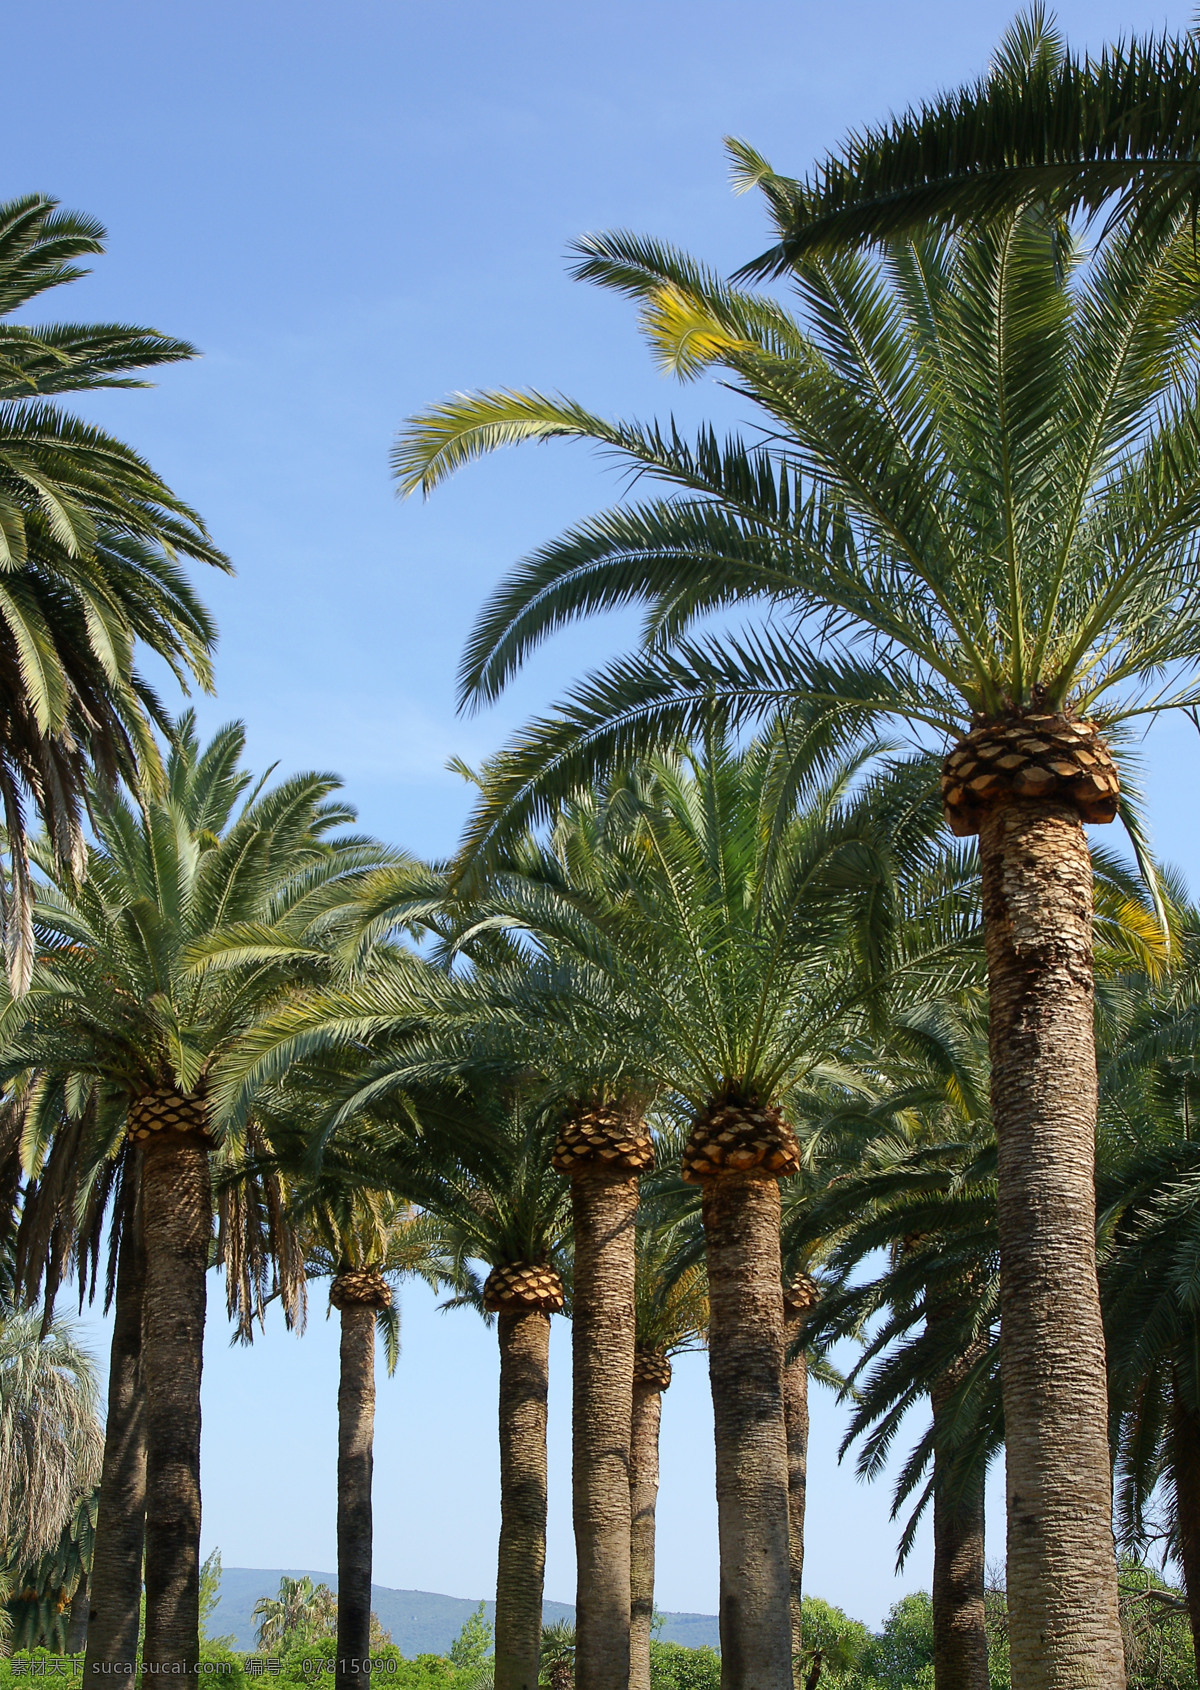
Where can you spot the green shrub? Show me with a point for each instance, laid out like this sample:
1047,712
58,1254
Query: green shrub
673,1666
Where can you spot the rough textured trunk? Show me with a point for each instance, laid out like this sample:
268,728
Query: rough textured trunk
1185,1471
745,1359
521,1562
795,1414
115,1591
643,1499
177,1220
604,1209
960,1655
77,1624
356,1437
1062,1584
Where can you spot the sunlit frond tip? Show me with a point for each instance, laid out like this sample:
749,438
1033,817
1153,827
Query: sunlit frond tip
466,426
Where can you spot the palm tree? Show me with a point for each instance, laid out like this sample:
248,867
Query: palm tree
81,1202
50,1435
363,1245
974,513
603,1148
473,1150
1122,128
90,539
930,1203
49,1600
128,1019
1147,1193
299,1612
558,1656
672,1316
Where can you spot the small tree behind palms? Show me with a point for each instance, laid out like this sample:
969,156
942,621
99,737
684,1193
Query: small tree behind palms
51,1440
300,1612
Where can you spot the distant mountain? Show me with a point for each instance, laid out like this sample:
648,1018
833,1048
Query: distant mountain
420,1622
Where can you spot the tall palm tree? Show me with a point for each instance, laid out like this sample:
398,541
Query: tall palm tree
672,1316
603,1148
973,512
449,1131
81,1204
363,1244
126,1017
90,541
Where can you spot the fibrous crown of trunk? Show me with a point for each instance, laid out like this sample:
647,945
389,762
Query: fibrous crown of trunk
800,1297
358,1294
115,1588
737,1152
1025,783
523,1296
651,1377
602,1149
172,1132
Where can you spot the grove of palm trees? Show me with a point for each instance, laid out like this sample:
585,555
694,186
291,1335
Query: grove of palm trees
803,988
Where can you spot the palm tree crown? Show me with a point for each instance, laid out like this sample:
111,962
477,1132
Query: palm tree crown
90,543
975,494
1119,129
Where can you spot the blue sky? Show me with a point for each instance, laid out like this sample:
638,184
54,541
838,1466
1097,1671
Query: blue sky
354,209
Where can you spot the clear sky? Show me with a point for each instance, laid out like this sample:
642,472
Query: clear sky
353,209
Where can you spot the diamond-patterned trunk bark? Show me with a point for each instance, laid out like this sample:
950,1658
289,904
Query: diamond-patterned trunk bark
1029,757
516,1286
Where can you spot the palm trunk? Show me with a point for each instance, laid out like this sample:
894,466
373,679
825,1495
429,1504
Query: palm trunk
356,1436
1062,1582
604,1209
745,1361
114,1608
77,1624
177,1218
521,1561
1185,1473
643,1498
795,1414
960,1651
